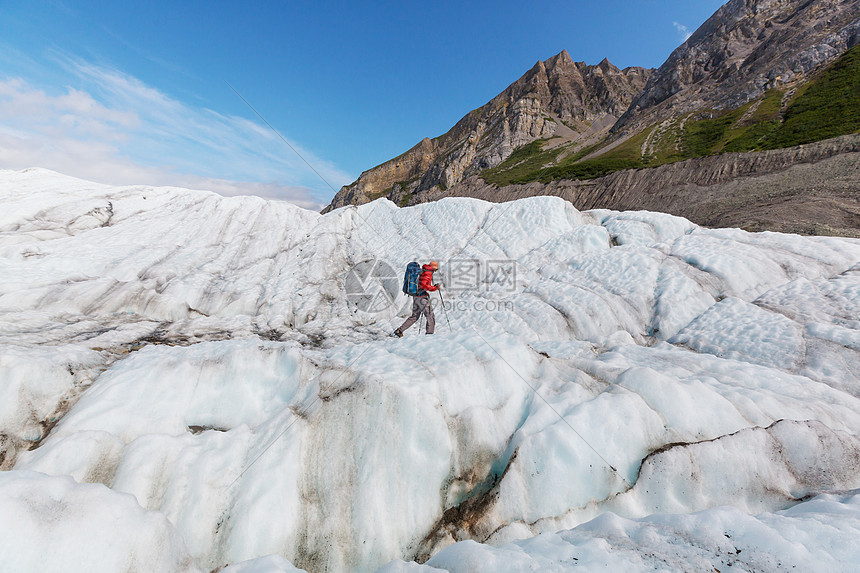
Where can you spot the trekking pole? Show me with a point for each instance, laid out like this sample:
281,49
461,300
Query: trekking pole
443,308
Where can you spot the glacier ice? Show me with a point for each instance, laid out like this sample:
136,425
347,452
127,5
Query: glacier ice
56,524
615,389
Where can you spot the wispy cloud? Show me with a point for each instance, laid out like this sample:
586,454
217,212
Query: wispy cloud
683,31
118,130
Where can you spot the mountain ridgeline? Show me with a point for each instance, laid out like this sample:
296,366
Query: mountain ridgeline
758,75
560,98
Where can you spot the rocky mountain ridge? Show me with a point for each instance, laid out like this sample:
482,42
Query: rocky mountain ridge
745,49
557,97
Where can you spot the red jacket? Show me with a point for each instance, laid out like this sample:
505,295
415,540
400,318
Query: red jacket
425,281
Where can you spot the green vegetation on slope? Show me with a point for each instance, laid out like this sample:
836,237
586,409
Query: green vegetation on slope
741,129
628,155
827,106
760,125
521,164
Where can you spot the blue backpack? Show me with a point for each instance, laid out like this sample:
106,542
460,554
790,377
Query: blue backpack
410,279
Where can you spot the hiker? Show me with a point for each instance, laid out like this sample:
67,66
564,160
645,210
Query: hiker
421,300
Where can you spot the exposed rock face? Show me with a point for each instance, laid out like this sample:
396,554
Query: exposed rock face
744,49
808,189
378,181
556,97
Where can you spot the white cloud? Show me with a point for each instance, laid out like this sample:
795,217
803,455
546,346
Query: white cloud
103,163
118,130
683,31
300,196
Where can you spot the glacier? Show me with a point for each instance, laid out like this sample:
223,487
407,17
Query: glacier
193,382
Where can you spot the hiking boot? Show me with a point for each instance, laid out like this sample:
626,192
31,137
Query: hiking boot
397,333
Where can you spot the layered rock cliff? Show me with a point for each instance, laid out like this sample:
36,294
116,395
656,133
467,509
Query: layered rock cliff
557,97
809,189
746,48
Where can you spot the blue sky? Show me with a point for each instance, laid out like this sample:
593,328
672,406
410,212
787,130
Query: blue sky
137,93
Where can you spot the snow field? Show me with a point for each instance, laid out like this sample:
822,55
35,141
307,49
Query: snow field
199,353
818,535
56,524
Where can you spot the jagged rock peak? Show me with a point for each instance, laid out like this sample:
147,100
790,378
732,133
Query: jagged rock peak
556,96
744,49
561,59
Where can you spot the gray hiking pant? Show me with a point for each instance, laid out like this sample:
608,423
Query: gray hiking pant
421,305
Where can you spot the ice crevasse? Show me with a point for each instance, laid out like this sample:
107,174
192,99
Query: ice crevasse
201,382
